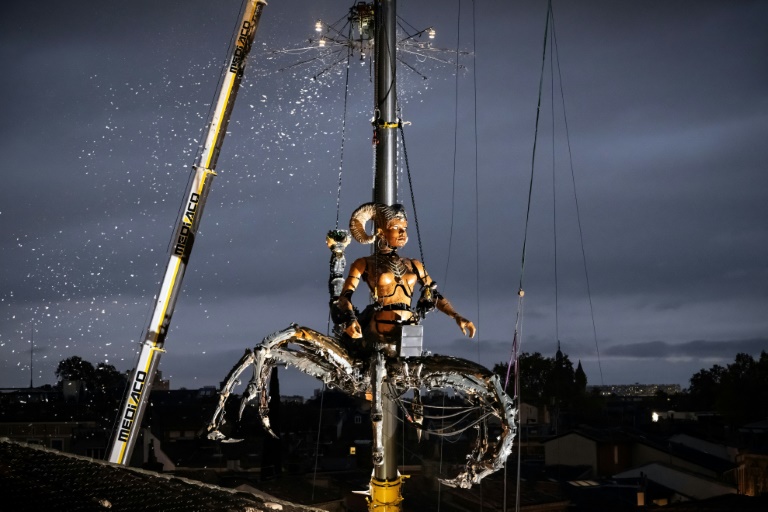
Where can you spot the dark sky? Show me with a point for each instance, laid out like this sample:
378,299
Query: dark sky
667,113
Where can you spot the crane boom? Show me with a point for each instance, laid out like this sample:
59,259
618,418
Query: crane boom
134,404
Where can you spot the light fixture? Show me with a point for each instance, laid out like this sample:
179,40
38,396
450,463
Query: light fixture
431,33
322,42
318,26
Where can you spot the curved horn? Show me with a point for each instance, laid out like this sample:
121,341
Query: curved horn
357,222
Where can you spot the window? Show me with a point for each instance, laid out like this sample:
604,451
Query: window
358,419
57,444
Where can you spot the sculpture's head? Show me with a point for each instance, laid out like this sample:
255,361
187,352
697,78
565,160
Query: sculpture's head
391,225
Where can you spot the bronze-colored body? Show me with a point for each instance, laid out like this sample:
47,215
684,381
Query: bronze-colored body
391,280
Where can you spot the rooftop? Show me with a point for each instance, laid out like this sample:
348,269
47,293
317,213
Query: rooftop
34,479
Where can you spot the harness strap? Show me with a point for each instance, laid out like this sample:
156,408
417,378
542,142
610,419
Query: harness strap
395,307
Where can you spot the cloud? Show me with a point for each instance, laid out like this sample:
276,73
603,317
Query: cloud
664,108
697,349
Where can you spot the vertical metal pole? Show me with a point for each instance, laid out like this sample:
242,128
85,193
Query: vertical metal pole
385,183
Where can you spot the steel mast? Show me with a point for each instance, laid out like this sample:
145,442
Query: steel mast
132,411
385,184
386,482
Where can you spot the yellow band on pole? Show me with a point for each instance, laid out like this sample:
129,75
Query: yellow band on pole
386,495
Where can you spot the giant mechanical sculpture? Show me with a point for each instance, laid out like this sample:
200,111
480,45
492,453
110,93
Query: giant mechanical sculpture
378,352
375,353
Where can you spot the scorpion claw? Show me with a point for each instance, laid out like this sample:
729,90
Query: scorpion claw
327,359
215,435
460,481
265,423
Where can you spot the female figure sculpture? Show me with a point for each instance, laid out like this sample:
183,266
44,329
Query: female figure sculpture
362,368
390,277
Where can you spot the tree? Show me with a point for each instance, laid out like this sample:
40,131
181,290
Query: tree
107,379
75,368
736,391
704,386
580,379
103,384
543,380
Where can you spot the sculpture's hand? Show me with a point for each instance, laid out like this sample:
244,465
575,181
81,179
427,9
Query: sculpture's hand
353,329
467,327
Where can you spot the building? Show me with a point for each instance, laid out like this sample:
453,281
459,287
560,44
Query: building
635,389
44,479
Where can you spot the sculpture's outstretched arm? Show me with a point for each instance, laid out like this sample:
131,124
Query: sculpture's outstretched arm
431,296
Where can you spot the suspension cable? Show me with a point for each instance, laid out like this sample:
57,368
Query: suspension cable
317,443
575,197
440,467
477,186
410,188
554,188
516,340
343,136
453,194
521,293
455,145
338,208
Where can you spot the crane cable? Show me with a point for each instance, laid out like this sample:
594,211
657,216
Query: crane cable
413,200
453,185
516,340
343,135
338,208
477,187
455,145
575,197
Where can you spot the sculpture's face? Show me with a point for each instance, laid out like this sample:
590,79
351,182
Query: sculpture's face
396,233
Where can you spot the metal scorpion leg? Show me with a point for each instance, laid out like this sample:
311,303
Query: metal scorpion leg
479,387
230,382
378,371
310,351
323,357
418,413
478,465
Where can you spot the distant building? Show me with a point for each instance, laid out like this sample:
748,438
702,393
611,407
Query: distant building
42,479
752,460
78,437
687,485
610,451
605,451
636,389
752,473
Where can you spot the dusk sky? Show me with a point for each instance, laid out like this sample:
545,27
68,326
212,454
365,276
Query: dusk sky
667,113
